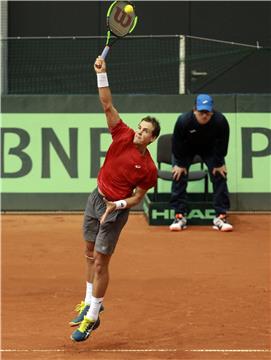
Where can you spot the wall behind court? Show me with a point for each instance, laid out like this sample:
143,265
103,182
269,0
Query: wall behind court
53,146
237,21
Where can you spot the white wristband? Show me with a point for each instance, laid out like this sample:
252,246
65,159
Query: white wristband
120,204
102,80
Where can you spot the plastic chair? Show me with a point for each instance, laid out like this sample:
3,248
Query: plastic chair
164,155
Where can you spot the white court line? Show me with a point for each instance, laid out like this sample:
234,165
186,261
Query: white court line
89,350
229,350
141,350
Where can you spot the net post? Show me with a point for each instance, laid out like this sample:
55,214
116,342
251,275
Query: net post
182,89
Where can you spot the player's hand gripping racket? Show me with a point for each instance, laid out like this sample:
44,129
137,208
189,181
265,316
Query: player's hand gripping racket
121,20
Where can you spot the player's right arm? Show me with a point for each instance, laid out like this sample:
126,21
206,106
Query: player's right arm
112,115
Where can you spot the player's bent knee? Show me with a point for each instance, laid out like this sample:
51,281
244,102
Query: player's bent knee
101,263
100,268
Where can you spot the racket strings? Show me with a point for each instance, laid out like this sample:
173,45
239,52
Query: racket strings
119,22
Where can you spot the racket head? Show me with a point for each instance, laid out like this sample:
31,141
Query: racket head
120,23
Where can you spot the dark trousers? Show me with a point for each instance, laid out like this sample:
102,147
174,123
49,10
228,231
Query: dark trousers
221,201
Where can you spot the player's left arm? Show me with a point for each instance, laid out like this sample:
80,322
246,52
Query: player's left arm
133,200
137,196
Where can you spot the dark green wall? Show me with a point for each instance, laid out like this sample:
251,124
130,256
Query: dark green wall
130,103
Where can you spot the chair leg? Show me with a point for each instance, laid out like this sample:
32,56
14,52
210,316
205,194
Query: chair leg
155,193
206,187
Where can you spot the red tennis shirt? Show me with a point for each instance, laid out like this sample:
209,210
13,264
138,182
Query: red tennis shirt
125,167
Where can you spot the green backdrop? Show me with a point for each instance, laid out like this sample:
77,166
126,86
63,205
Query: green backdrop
50,160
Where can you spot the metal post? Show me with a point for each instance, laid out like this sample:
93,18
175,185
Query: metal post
182,89
4,46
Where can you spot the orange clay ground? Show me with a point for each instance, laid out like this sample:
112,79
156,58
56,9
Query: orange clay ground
171,295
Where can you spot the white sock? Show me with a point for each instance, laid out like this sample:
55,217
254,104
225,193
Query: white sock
88,293
93,312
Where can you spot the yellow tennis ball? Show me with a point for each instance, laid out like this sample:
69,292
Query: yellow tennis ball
128,9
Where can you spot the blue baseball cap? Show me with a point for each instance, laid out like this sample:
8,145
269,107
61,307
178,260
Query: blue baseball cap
204,102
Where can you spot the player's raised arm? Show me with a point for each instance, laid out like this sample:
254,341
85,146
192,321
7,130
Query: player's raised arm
112,115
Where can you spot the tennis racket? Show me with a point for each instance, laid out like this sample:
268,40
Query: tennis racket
119,23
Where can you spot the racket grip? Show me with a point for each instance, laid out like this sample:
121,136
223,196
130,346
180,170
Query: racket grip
105,52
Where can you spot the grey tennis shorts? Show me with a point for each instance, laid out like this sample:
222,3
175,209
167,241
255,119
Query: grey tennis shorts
104,236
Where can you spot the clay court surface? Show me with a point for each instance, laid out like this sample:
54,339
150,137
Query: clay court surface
171,295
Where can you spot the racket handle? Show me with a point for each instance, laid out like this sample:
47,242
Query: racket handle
105,52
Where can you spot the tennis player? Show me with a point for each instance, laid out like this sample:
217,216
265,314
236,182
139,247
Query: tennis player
125,177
